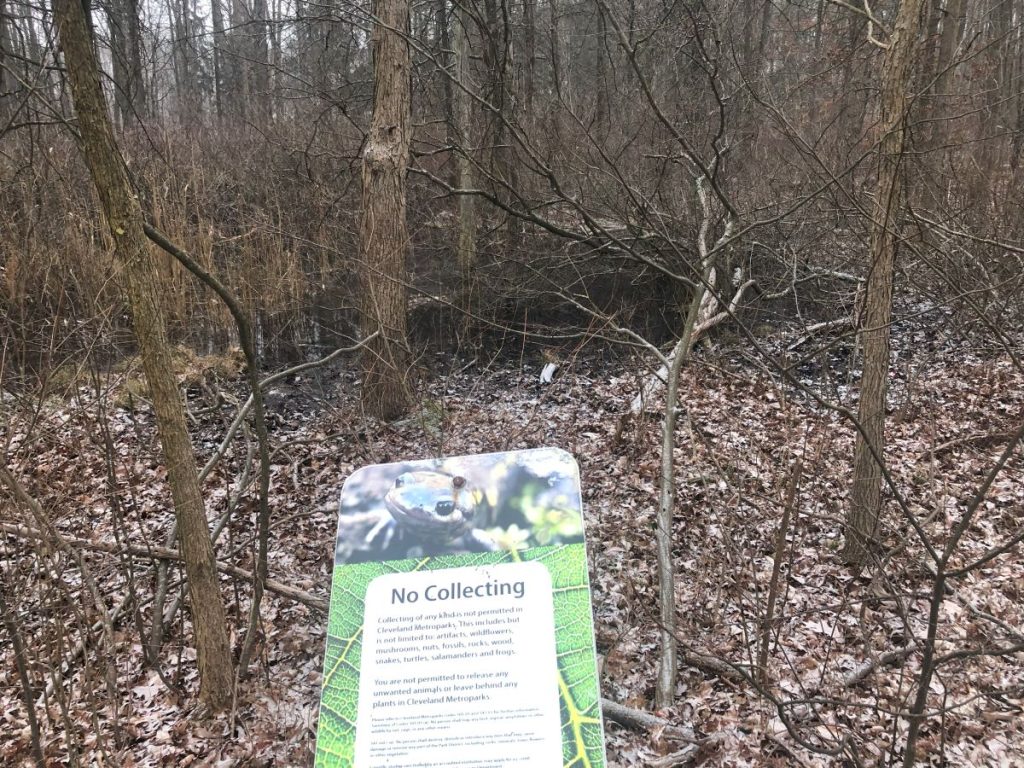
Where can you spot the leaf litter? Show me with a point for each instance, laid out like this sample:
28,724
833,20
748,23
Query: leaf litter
740,435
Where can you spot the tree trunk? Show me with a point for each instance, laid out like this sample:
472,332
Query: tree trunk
679,358
446,61
384,240
119,61
186,61
466,254
8,65
495,57
994,116
274,29
930,62
240,85
529,53
126,59
603,84
136,73
555,43
219,84
949,39
257,34
1017,143
124,217
1006,34
866,495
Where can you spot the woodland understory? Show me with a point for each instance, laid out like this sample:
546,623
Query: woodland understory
841,660
758,265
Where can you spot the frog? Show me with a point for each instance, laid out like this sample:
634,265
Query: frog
424,513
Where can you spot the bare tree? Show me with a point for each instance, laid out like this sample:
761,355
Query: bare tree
8,81
462,94
187,62
951,28
703,186
384,239
219,45
126,59
866,494
124,218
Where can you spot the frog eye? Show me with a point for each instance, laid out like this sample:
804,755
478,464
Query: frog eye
458,482
444,508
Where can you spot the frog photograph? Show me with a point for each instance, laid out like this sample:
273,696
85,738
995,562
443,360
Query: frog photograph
485,503
492,521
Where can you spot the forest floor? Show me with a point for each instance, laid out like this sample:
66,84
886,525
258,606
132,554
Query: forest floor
740,440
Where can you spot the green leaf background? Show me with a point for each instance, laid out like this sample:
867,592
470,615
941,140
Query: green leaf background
582,735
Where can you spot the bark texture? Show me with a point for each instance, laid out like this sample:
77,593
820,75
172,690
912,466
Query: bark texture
8,82
466,248
866,495
945,66
124,217
219,45
384,239
126,59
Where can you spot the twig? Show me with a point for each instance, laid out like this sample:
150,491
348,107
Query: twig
57,675
236,423
218,454
165,553
773,587
1010,631
248,343
816,328
983,439
48,534
20,663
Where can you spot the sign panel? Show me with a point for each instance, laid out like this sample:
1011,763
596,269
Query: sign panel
460,630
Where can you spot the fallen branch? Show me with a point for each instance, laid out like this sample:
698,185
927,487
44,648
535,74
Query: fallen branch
685,756
712,664
639,719
869,666
838,275
816,328
983,440
1010,631
165,553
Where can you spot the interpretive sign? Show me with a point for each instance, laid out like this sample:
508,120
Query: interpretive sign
460,630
